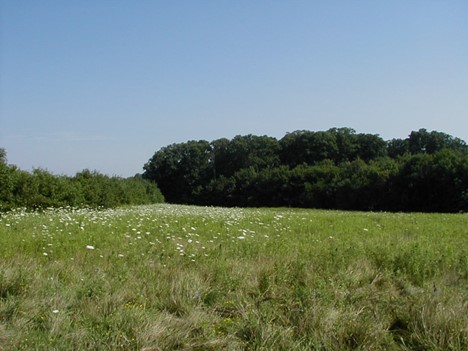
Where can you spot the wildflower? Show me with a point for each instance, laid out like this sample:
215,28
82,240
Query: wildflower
120,255
90,247
45,254
55,311
241,237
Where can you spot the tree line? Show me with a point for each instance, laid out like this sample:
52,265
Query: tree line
41,189
333,169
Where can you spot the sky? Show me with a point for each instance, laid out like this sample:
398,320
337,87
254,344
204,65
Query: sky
103,85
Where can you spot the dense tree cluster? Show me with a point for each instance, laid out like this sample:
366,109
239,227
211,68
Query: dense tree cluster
334,169
40,189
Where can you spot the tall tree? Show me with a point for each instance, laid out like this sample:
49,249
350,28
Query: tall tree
6,183
3,158
305,147
370,146
397,147
422,141
181,170
246,151
346,142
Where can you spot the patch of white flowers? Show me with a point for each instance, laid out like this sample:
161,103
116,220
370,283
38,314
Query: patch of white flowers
161,231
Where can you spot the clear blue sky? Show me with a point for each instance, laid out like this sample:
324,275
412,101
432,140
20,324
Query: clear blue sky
104,84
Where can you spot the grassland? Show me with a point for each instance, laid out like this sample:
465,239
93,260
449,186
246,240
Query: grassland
168,277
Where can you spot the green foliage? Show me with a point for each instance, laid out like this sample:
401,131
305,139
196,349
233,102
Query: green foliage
181,169
433,182
244,152
424,142
346,142
41,189
397,147
337,169
308,147
370,147
3,157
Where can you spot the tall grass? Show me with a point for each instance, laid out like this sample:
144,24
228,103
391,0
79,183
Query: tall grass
168,277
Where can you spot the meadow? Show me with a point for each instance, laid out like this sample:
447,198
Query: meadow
171,277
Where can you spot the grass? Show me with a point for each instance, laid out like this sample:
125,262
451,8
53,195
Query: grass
167,277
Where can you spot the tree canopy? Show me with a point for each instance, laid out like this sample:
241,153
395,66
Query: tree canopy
337,168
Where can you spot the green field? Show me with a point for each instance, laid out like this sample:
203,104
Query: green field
168,277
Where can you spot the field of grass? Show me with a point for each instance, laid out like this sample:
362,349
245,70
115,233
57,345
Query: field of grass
169,277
